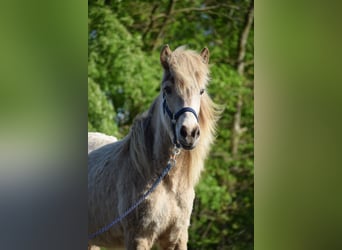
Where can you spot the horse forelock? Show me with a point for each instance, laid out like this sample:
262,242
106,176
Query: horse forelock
187,70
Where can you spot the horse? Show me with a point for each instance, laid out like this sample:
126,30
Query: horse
182,117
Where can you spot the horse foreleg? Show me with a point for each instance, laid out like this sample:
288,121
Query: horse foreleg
182,241
175,241
138,243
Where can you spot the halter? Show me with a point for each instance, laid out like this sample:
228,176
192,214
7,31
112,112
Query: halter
174,118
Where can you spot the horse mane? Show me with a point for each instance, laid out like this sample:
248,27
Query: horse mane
139,143
194,159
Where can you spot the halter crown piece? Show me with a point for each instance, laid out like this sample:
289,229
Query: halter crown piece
174,117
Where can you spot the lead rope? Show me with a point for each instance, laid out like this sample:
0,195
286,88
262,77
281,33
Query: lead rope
171,163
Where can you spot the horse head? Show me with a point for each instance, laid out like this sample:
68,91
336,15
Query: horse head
184,82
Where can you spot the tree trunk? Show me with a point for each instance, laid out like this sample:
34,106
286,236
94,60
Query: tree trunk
162,28
237,130
243,40
151,24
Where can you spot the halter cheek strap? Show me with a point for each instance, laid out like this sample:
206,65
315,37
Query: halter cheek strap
174,118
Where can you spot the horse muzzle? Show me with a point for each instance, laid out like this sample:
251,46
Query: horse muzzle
188,138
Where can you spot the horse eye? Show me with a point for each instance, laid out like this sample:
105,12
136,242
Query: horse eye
168,90
202,91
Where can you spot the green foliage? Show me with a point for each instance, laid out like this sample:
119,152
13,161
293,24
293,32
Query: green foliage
123,78
127,76
100,111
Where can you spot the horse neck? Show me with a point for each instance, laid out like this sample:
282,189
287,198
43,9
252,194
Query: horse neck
162,143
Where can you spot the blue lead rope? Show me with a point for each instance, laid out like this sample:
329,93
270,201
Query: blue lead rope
169,165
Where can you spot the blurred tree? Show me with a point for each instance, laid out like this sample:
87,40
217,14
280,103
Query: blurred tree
127,76
124,42
100,111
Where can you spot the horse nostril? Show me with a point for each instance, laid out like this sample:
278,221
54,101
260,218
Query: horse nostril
183,131
195,132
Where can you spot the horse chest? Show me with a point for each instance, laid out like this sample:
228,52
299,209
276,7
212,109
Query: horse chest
169,209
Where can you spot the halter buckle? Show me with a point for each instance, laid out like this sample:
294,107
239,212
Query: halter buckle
175,151
172,162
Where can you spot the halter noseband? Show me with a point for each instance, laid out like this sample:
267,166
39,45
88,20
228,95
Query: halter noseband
174,118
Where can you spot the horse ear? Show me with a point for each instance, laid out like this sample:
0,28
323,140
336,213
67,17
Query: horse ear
205,55
164,56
